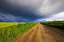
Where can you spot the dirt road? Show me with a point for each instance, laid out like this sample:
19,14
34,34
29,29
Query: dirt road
41,33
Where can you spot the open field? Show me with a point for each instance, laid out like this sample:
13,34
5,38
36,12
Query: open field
6,24
32,32
57,24
41,33
10,30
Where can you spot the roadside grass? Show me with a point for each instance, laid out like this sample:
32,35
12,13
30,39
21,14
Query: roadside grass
8,33
57,24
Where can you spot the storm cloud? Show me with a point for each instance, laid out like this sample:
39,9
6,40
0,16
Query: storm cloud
29,10
26,11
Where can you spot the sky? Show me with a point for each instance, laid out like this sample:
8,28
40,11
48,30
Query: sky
31,10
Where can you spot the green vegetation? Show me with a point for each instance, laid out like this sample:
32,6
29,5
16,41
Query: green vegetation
8,33
57,24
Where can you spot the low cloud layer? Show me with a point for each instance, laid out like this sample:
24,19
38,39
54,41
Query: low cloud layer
59,16
30,10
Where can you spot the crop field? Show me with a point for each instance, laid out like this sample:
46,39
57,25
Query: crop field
6,24
57,24
10,30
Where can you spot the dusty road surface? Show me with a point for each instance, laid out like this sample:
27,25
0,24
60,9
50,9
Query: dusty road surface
41,33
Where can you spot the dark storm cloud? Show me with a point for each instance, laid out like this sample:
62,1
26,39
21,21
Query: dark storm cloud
24,12
30,10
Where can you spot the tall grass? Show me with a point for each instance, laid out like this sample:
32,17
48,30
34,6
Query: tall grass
57,24
7,34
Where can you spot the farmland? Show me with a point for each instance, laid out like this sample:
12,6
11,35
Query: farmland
10,30
57,24
41,33
6,24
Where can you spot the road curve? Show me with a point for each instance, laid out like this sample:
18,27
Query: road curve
41,33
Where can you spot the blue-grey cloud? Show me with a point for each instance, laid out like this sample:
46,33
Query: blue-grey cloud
29,10
24,12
